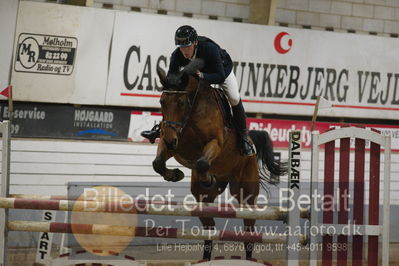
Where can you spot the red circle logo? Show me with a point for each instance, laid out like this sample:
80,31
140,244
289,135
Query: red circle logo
278,43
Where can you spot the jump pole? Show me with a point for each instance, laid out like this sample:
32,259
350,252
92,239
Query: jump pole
158,232
304,213
197,210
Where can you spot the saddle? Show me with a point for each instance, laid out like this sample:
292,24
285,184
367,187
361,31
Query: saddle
224,107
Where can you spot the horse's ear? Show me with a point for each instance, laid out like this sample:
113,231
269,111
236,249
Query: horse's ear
162,76
193,66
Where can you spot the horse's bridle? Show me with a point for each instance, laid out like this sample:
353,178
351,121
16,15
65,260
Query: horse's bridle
179,126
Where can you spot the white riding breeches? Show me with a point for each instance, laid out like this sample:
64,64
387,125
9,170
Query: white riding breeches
230,88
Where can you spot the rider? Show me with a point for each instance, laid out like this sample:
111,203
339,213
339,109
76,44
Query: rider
217,70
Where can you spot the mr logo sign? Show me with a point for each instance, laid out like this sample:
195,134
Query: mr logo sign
28,52
46,54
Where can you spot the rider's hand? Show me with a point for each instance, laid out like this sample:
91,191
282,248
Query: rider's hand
200,74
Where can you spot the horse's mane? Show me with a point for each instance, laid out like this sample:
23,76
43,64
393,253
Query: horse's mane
178,80
192,67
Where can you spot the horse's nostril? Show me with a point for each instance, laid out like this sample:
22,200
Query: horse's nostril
171,145
174,144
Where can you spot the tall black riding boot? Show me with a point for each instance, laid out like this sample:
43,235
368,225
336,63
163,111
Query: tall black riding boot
240,124
152,134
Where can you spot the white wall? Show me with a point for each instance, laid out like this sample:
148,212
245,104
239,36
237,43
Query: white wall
46,166
364,16
223,9
379,16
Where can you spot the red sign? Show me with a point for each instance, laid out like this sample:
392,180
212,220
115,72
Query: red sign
279,130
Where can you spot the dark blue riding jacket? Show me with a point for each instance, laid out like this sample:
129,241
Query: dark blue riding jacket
218,64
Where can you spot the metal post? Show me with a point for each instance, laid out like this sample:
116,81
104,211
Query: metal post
294,161
313,244
386,205
5,189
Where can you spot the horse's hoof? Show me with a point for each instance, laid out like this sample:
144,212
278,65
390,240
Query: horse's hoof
177,175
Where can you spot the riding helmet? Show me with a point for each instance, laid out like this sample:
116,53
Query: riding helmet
185,36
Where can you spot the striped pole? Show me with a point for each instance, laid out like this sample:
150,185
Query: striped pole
158,232
190,209
304,213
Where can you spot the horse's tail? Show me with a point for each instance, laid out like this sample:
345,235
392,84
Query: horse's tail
270,169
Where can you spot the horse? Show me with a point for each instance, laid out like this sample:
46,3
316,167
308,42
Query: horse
193,131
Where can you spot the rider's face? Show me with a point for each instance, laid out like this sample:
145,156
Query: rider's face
188,51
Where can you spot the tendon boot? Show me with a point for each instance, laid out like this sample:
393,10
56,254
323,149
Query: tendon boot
152,134
239,119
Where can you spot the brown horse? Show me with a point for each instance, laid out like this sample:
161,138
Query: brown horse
193,132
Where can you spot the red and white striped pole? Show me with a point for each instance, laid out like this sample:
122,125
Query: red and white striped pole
190,209
158,232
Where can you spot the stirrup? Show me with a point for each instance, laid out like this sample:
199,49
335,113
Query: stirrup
247,148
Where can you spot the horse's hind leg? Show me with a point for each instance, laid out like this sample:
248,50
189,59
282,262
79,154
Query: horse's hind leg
249,224
204,195
246,191
249,246
207,224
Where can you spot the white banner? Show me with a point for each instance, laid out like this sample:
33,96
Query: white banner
62,53
279,70
63,56
138,47
8,20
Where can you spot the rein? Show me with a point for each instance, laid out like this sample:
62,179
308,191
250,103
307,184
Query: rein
174,125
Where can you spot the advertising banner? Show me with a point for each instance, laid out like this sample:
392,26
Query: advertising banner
61,53
279,70
55,54
94,57
8,20
67,121
278,129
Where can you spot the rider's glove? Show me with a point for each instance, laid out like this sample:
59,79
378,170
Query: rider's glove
200,74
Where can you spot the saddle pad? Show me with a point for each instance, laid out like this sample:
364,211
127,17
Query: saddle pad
224,107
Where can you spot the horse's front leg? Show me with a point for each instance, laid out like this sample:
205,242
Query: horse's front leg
159,164
211,150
